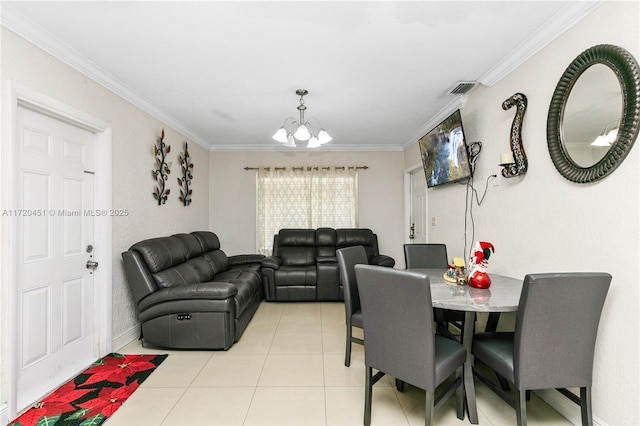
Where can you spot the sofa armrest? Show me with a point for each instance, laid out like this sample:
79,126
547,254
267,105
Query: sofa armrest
211,290
382,260
272,262
245,259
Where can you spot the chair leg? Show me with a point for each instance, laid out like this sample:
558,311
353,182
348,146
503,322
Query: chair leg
521,407
429,409
347,352
460,396
492,322
368,395
585,406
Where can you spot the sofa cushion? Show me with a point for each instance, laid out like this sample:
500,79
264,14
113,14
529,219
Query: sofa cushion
191,245
297,237
161,253
203,268
296,276
218,259
248,284
349,237
208,240
354,237
177,276
297,256
297,247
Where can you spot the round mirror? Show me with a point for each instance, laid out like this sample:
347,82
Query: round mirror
593,116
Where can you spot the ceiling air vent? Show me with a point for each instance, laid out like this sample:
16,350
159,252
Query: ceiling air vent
461,87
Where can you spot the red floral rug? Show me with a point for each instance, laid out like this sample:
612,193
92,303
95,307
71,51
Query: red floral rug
93,395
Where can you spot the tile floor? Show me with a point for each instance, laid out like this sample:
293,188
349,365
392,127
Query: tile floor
288,369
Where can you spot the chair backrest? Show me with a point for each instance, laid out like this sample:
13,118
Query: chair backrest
397,319
556,328
425,256
348,258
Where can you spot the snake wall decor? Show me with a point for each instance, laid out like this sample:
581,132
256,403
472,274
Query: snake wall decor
519,167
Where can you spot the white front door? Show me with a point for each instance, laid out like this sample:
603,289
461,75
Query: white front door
55,220
418,219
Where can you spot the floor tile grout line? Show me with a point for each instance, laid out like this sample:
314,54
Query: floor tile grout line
324,370
174,405
186,389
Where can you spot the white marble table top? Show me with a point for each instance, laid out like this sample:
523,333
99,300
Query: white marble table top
502,296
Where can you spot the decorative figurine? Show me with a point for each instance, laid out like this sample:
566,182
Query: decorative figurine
478,277
456,273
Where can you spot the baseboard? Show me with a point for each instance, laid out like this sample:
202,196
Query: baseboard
125,338
566,407
4,414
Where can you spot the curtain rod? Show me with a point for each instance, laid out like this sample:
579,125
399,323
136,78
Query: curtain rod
309,168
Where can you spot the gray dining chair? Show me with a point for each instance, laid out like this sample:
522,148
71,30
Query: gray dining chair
434,256
399,338
554,339
349,257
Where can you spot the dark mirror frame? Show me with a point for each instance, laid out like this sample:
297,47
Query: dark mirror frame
626,68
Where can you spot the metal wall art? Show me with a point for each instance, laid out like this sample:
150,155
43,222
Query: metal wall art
515,164
185,181
161,171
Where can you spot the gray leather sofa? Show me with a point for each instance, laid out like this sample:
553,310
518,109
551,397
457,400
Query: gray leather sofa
189,294
303,265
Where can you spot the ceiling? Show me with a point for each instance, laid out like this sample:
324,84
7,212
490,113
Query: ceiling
225,73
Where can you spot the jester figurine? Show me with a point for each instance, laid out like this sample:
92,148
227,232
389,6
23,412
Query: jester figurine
478,277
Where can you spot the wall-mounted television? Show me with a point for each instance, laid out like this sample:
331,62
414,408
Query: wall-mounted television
444,152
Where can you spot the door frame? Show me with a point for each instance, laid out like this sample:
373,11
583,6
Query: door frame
14,95
407,200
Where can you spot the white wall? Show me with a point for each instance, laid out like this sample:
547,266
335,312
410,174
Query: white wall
134,134
233,194
542,222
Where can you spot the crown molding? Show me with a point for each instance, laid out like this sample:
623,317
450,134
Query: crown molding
569,15
334,147
30,31
456,103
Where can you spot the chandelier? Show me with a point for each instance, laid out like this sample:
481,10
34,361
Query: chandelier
293,130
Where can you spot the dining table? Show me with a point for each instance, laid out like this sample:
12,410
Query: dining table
503,295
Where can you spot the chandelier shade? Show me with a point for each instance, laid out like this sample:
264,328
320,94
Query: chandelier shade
281,135
293,130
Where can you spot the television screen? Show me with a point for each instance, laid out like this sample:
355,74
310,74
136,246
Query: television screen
444,152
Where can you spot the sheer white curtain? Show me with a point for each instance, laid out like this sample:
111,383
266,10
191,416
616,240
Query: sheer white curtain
304,197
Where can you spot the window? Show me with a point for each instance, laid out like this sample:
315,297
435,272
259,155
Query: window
304,197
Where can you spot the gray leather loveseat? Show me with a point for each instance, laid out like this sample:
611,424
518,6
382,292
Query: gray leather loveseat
303,265
189,294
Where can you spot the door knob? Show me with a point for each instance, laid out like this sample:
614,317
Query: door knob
91,264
